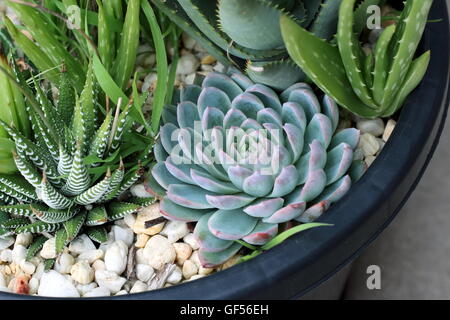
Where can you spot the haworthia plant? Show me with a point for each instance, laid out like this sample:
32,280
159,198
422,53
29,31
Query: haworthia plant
369,85
60,191
249,30
240,159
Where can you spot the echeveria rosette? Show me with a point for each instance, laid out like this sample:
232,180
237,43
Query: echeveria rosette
310,165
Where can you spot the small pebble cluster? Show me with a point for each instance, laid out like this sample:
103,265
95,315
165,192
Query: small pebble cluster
135,258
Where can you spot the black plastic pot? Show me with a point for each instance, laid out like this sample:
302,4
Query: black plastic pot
308,259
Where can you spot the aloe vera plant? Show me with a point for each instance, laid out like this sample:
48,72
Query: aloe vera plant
65,188
369,85
250,30
54,43
12,111
239,160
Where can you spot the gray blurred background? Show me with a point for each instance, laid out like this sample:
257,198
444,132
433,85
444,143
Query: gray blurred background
414,251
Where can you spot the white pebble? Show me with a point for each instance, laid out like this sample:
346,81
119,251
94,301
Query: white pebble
139,286
188,42
27,267
144,272
190,78
141,240
369,144
82,272
85,288
183,251
24,239
121,293
150,60
205,271
124,234
194,258
192,241
187,64
176,276
36,260
189,269
140,258
6,243
2,280
81,244
91,255
53,284
372,126
6,255
158,251
49,249
130,219
116,257
33,284
196,277
369,160
120,223
175,230
4,289
98,292
109,280
149,82
219,67
64,263
390,126
138,191
40,269
99,265
19,253
149,213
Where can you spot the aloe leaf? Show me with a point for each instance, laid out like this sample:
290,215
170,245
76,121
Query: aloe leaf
45,35
33,51
126,54
278,74
415,74
106,44
381,63
403,46
351,53
107,83
322,63
162,69
324,25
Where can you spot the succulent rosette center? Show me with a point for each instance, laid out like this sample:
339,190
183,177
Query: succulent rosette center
240,159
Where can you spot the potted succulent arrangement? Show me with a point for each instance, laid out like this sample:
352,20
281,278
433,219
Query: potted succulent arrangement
165,149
